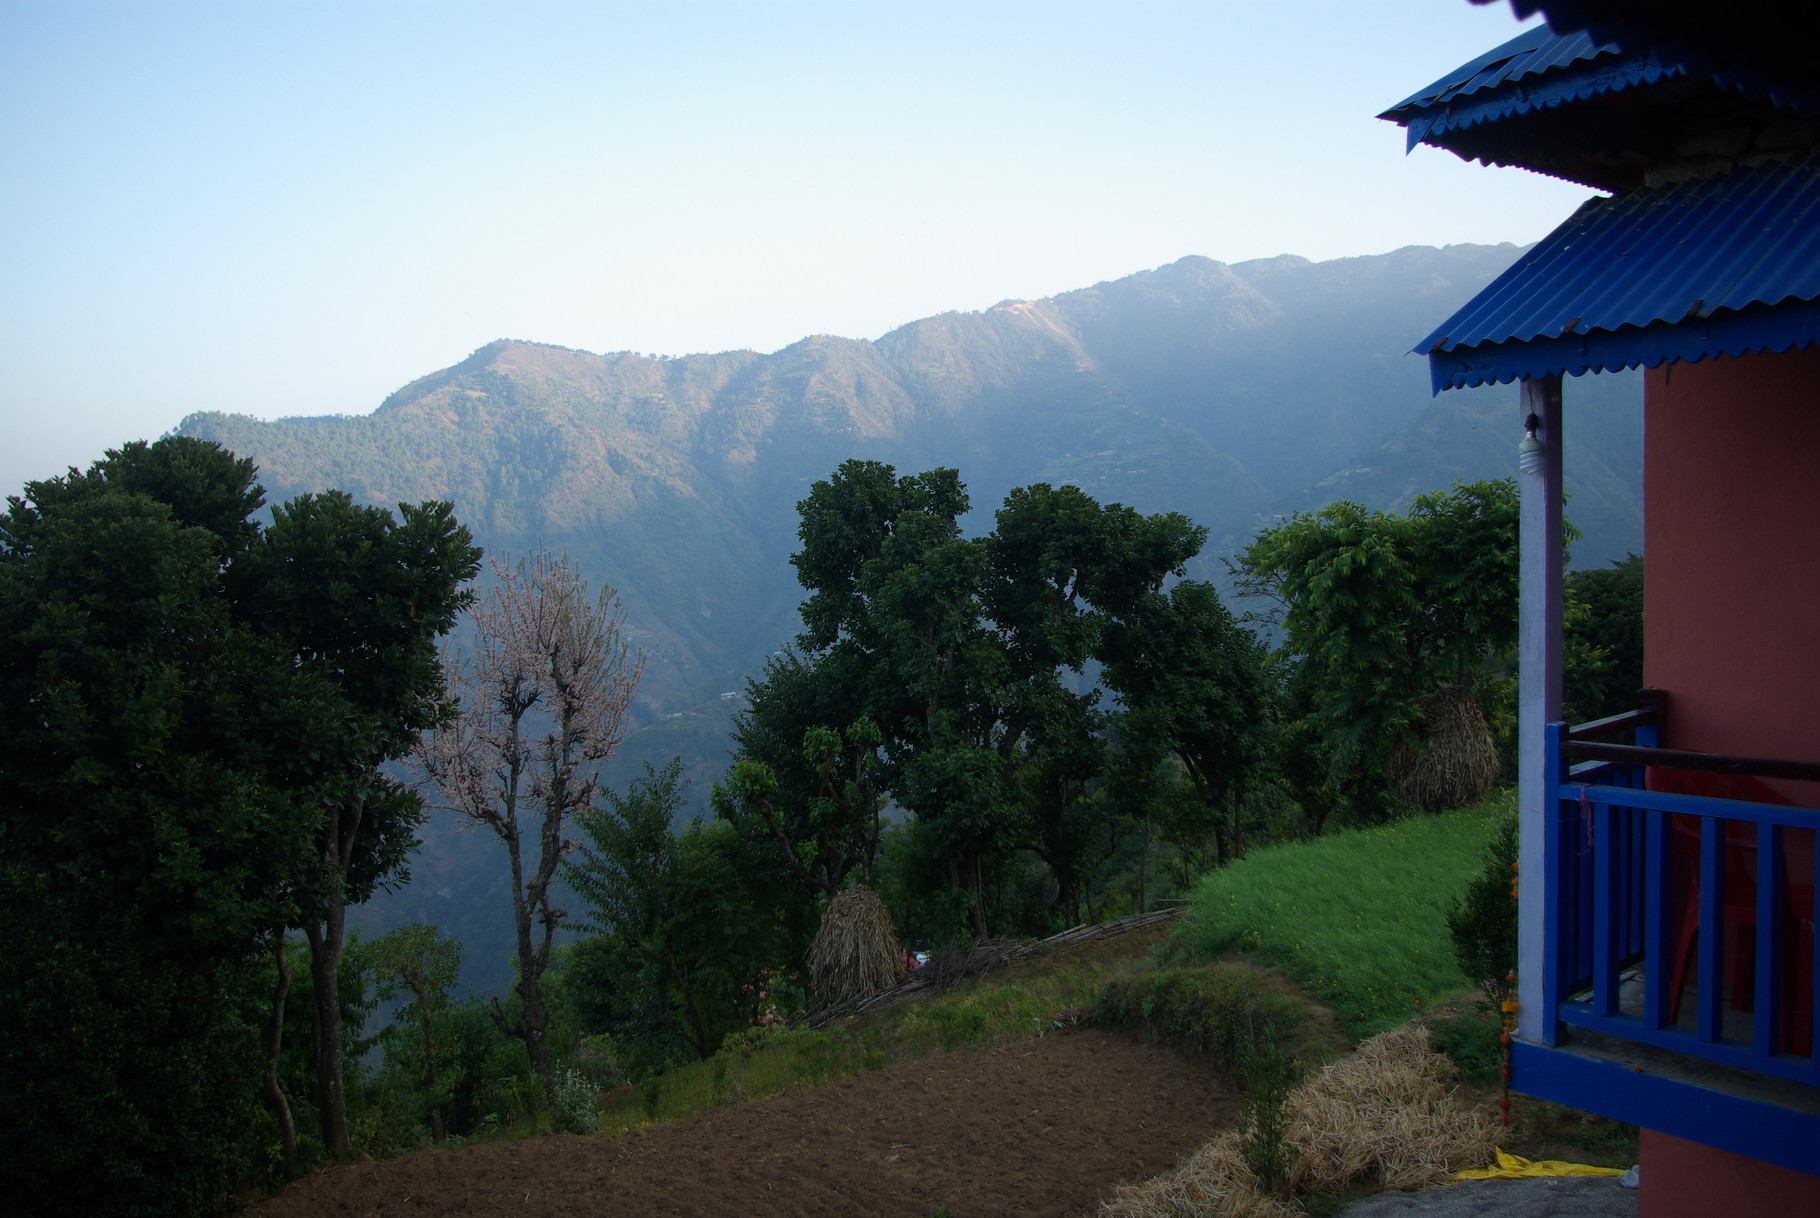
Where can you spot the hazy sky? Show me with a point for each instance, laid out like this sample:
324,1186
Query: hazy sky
281,208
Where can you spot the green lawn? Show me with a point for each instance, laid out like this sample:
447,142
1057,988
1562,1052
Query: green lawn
1357,919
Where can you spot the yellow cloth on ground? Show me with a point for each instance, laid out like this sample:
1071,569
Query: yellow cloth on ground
1516,1167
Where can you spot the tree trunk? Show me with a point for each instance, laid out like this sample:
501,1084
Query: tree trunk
1144,867
327,933
1067,894
325,1022
964,874
274,1094
429,1058
1238,820
532,1022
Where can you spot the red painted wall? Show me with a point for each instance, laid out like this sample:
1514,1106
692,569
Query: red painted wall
1687,1180
1732,555
1731,487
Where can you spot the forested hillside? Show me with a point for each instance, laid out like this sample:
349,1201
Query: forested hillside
1230,393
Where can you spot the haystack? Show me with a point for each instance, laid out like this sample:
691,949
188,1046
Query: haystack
1213,1182
1385,1116
1457,762
856,951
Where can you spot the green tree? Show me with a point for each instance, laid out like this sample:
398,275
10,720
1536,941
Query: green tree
420,959
145,833
1603,641
1197,689
359,600
686,927
812,790
543,702
1379,611
968,654
179,749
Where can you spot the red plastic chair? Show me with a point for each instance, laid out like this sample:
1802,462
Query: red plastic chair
1739,915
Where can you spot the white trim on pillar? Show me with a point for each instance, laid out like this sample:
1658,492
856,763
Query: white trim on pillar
1539,683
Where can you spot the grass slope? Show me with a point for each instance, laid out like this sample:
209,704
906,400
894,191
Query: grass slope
1358,920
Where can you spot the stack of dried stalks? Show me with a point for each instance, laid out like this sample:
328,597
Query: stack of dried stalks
1214,1180
1386,1116
856,951
1457,762
1383,1116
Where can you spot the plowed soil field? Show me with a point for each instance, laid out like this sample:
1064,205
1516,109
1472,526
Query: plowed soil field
1043,1127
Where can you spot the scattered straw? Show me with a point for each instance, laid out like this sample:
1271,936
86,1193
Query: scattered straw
856,951
1385,1116
1214,1180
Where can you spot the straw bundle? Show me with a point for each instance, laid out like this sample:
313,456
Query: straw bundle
1457,762
1214,1181
856,951
1385,1115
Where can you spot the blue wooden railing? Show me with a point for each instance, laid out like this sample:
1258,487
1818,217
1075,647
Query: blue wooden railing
1626,869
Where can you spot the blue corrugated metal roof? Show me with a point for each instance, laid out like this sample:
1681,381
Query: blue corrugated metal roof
1539,69
1719,265
1508,80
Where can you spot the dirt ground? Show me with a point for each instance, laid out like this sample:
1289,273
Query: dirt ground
1045,1127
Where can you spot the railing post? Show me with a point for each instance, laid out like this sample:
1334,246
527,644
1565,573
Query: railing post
1710,1024
1559,906
1766,1006
1606,914
1539,696
1658,927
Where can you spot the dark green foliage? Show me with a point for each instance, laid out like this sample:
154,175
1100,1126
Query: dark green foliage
810,789
1224,1012
1603,641
128,1079
356,1002
484,1076
1379,610
1270,1074
418,961
914,884
178,743
1484,926
950,672
1470,1039
144,837
1196,687
359,600
685,921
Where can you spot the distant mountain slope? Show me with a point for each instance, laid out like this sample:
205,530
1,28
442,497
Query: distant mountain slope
1232,393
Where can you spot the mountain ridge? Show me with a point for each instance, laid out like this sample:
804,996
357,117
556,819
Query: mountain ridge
1231,392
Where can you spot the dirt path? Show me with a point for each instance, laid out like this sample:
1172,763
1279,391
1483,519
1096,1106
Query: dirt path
1044,1127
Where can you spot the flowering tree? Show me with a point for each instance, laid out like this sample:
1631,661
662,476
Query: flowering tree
543,702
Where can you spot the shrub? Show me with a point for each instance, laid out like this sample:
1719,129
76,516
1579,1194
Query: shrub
572,1103
1225,1012
1484,925
1470,1041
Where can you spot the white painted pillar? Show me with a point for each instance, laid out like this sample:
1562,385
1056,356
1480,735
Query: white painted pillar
1539,682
